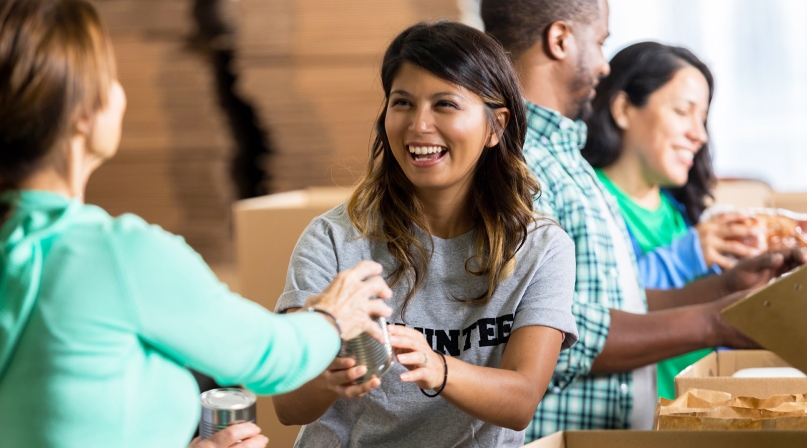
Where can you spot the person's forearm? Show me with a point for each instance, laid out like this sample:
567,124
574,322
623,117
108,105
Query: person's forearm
700,291
637,340
502,397
507,396
306,404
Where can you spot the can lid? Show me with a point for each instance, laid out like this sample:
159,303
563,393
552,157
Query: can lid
227,398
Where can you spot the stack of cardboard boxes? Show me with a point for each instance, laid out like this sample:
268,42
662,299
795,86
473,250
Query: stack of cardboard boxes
171,168
312,69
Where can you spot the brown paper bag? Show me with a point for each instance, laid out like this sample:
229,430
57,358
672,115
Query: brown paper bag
712,410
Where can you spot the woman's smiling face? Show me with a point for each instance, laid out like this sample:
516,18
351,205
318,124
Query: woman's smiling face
436,130
667,132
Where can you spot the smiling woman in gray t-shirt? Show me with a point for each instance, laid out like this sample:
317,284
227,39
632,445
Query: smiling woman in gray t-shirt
482,288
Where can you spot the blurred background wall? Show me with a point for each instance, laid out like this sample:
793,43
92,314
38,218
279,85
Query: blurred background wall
756,50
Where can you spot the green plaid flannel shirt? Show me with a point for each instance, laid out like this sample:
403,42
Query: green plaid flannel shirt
576,399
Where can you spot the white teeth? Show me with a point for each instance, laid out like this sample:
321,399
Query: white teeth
424,149
684,154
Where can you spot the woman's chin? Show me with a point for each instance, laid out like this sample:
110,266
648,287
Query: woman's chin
674,183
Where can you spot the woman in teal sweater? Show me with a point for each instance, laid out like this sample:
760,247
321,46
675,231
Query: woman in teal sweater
100,316
648,143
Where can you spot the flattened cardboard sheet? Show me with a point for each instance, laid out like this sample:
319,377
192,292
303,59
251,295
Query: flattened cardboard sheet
775,316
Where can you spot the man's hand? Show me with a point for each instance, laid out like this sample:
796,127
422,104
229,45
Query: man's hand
754,272
724,334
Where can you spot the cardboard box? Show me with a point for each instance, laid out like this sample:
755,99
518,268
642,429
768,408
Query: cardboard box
743,193
672,439
796,202
714,372
774,317
266,231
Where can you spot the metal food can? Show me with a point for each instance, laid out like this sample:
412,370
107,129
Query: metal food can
371,353
224,407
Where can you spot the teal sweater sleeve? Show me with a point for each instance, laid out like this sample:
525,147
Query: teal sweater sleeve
181,309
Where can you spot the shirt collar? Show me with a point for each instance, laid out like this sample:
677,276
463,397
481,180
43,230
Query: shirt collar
546,122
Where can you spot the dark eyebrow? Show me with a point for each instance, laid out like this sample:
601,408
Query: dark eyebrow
691,102
442,94
433,96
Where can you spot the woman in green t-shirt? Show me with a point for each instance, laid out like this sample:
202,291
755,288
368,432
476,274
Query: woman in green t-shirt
648,143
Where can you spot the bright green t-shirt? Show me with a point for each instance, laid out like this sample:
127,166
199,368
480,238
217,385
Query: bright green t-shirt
99,318
652,229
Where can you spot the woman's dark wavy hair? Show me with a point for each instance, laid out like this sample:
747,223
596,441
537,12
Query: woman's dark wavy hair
639,70
384,207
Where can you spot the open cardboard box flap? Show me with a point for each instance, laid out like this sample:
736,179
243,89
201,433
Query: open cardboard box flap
775,316
714,372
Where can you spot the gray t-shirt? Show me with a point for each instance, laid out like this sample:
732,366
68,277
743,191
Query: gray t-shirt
396,414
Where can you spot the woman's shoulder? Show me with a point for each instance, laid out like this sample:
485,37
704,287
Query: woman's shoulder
335,222
134,235
126,237
91,221
545,231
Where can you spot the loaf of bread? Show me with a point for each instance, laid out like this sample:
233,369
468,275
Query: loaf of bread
778,231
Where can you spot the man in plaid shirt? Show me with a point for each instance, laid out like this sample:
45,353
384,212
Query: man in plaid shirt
607,380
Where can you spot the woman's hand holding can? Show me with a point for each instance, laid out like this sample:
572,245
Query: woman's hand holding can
349,300
241,435
341,377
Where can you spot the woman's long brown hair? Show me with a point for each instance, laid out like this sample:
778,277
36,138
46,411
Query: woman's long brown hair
384,207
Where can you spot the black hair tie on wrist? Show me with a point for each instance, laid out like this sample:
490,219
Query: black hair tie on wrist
445,377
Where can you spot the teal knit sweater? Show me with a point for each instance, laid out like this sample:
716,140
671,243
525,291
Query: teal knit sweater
99,318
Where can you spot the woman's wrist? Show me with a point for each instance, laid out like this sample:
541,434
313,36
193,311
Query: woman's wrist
438,389
330,318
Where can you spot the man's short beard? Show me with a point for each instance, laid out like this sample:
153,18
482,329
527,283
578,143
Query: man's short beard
581,107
